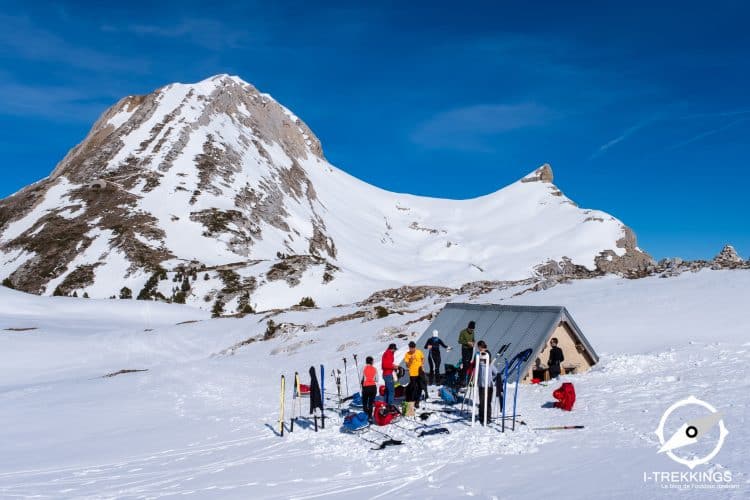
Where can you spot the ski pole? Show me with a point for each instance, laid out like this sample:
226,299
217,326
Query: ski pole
356,365
346,377
322,397
505,391
281,413
486,383
515,395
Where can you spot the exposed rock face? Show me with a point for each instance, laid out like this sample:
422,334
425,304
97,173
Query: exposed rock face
633,259
565,268
542,174
667,268
728,257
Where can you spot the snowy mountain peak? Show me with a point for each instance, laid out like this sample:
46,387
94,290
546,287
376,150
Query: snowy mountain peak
219,180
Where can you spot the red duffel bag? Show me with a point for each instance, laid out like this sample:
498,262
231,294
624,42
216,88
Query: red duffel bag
565,396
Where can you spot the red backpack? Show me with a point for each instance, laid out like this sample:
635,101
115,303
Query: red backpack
384,414
565,396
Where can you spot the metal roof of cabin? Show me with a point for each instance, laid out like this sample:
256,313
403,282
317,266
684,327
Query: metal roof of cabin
522,327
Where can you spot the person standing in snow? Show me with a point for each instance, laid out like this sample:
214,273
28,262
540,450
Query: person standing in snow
388,366
369,386
433,355
414,360
482,388
555,359
466,340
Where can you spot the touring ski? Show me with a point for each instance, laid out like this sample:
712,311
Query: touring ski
557,428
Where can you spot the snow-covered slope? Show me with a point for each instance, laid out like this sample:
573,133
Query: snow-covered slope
200,422
218,181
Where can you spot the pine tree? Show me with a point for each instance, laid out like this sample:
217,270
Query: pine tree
218,308
307,302
85,295
126,293
58,292
185,285
179,298
7,283
271,329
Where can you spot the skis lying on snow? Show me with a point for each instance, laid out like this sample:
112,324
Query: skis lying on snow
422,430
379,445
557,428
430,432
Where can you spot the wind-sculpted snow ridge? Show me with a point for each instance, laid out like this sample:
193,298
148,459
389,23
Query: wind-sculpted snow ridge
214,194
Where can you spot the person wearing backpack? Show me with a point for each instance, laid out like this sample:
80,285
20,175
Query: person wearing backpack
414,360
555,359
388,366
481,387
466,340
369,386
433,345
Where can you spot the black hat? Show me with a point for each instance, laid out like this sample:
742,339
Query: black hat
392,347
472,325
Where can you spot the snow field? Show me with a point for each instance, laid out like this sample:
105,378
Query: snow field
202,424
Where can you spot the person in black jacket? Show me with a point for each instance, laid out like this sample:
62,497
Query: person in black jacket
555,358
433,345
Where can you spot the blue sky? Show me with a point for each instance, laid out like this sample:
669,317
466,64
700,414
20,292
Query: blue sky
643,110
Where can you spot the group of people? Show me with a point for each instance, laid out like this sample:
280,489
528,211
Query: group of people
418,380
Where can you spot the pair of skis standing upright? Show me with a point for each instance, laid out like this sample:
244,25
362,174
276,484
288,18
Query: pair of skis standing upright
510,369
317,396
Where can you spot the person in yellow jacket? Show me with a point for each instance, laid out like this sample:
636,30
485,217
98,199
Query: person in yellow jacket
414,360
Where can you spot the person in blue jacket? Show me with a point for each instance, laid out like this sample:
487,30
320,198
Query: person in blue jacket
433,345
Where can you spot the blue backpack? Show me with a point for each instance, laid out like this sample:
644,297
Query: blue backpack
356,400
447,395
355,422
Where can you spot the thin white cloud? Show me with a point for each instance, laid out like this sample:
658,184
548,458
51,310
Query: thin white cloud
472,128
627,133
638,126
707,133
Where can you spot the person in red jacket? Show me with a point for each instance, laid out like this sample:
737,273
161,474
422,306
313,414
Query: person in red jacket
388,366
369,386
